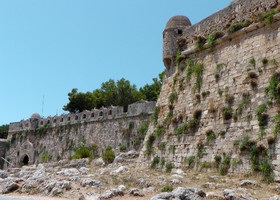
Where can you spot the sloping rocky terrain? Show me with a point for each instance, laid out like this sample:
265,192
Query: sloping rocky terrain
126,178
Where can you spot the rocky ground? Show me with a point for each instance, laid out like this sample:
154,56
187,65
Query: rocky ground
128,179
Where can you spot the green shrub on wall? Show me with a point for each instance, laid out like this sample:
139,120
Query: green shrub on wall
195,69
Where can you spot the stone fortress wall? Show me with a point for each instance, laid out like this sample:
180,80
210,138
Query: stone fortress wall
54,138
104,113
190,123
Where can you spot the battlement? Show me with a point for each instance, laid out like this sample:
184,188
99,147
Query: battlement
177,37
103,113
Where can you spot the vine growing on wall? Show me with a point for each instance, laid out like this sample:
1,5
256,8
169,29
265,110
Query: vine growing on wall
195,69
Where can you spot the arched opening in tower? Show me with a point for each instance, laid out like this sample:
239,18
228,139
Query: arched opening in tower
25,160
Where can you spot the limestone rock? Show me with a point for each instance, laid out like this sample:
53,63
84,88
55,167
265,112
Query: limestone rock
69,172
10,186
98,162
175,181
3,174
236,194
136,192
84,170
143,183
78,163
274,198
113,192
89,182
164,195
245,183
181,193
119,170
39,173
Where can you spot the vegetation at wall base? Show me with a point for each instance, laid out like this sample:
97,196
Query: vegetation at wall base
85,152
109,155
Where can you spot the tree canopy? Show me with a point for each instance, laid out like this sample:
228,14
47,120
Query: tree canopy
115,93
4,129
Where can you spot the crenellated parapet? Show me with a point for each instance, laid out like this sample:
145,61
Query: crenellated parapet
104,113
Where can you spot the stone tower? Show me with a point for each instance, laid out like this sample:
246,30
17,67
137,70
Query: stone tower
172,32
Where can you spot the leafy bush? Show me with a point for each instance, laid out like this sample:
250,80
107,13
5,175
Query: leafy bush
276,128
155,162
210,135
227,113
267,17
154,116
149,144
200,42
267,172
167,188
237,26
45,157
261,115
218,159
168,167
173,97
190,161
225,165
109,155
85,152
193,123
213,37
196,69
142,130
245,102
159,132
162,146
273,88
4,129
42,130
182,129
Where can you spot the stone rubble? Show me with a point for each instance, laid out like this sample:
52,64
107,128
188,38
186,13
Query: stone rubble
84,183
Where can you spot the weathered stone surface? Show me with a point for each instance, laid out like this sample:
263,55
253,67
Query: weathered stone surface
144,183
121,169
84,170
89,182
8,187
69,172
3,174
274,198
245,183
136,192
181,193
237,194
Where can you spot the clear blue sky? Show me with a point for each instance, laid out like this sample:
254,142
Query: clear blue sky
48,47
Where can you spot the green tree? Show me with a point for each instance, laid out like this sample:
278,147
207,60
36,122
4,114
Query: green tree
4,129
127,93
79,101
116,93
109,92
